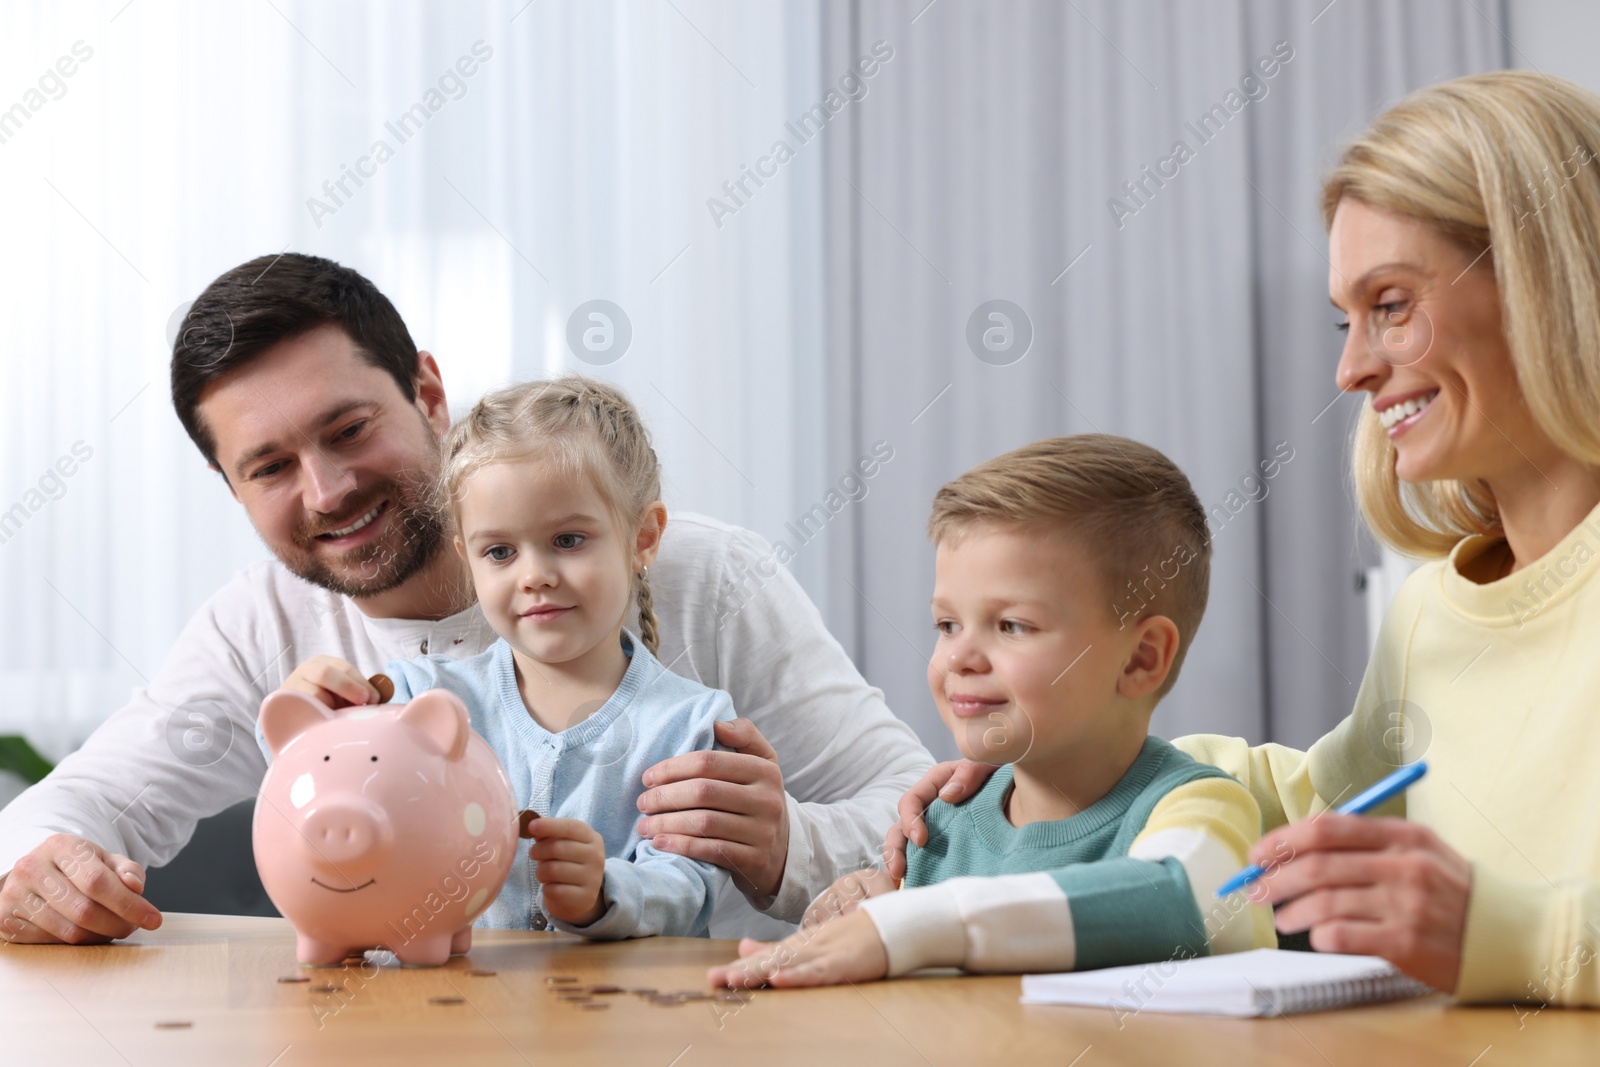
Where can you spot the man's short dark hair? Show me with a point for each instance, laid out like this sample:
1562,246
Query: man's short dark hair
273,299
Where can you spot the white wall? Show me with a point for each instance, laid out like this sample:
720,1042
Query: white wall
1560,37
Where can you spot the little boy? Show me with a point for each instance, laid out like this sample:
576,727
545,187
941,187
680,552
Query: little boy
1070,578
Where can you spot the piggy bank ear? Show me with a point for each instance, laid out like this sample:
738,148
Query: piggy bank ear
286,714
441,716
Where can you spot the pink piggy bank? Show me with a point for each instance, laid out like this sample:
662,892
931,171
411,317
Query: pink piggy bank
381,827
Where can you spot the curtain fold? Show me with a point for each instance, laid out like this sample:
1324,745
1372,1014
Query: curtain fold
798,316
1138,182
494,167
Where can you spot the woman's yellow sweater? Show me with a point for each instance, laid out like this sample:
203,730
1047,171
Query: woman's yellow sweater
1497,686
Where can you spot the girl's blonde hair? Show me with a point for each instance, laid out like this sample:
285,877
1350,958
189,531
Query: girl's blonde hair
590,429
1503,162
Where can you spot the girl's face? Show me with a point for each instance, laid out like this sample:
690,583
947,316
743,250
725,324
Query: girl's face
1425,339
553,571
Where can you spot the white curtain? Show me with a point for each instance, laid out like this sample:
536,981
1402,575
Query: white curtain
562,153
796,314
1027,152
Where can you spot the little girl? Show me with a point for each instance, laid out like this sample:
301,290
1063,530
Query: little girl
555,492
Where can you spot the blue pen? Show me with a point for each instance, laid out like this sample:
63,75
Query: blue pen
1356,805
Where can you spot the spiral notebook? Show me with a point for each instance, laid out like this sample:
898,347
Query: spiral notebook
1265,981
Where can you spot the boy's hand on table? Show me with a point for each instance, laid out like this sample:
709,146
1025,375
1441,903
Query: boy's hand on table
953,783
334,682
845,950
570,860
726,808
842,896
1370,887
69,890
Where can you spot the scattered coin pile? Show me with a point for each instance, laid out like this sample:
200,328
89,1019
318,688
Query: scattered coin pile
566,987
567,990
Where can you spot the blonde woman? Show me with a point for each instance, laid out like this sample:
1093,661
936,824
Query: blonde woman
1464,239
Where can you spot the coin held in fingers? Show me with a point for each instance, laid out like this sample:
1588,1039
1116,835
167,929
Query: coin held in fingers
384,686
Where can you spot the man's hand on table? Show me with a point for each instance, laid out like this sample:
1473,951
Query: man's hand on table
726,808
72,891
953,783
846,949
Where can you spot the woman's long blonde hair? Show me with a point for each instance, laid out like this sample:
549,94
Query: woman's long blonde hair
1505,162
591,429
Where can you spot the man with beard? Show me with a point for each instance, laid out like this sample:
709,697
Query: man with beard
301,386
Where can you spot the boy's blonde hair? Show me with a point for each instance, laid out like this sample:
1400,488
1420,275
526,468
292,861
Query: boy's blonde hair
590,429
1130,508
1503,162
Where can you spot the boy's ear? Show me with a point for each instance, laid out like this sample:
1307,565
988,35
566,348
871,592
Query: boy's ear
461,549
1155,643
647,542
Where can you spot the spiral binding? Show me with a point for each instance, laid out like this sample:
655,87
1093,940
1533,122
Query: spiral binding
1292,1000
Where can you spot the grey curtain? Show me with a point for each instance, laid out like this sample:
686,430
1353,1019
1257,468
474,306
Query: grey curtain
1030,153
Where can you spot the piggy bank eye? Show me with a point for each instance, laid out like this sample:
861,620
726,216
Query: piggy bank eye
325,759
374,759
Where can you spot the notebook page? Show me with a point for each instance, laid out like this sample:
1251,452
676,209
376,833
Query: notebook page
1261,982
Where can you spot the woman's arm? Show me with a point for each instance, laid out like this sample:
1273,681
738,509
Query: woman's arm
1279,778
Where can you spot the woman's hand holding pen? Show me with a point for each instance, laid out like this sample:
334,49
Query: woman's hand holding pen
1375,887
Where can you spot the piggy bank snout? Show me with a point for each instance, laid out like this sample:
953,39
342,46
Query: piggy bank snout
349,835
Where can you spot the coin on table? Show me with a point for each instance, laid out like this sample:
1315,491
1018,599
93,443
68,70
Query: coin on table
294,978
174,1024
480,972
447,1000
560,979
384,686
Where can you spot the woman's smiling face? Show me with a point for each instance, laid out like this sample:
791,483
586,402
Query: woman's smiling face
1425,339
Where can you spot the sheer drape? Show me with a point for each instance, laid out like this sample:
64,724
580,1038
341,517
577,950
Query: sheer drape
1030,153
535,157
798,316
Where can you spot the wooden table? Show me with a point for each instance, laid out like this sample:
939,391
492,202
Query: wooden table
64,1007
